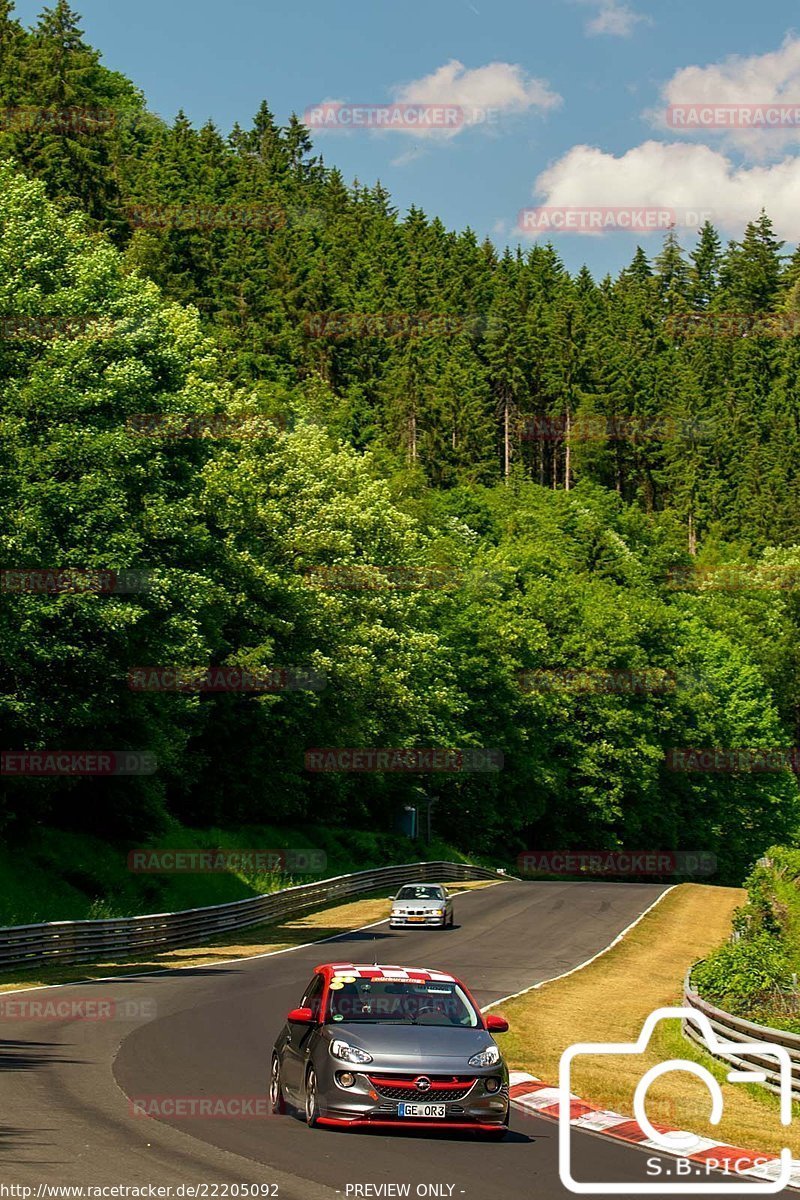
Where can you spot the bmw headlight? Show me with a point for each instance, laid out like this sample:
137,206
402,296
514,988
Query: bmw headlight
348,1053
438,912
489,1057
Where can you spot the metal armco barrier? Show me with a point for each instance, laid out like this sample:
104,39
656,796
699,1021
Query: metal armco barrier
736,1029
79,941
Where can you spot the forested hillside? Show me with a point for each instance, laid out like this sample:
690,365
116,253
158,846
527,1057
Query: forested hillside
549,458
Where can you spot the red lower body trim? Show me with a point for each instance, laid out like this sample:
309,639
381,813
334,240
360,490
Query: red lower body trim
367,1122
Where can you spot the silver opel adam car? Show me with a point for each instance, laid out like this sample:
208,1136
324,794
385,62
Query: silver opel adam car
391,1047
421,904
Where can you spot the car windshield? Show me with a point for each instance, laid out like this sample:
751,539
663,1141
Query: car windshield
420,892
390,1001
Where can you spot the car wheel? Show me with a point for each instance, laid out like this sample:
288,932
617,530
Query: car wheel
312,1103
452,919
276,1100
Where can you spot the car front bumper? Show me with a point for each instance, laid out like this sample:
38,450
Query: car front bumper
403,922
365,1103
403,1123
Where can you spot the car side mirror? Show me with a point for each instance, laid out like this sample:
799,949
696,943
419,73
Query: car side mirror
301,1016
496,1024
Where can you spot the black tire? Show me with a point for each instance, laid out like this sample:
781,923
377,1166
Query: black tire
276,1099
452,919
312,1103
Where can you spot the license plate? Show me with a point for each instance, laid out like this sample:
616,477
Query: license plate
420,1110
416,918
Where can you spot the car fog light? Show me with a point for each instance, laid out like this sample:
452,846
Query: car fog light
346,1078
492,1084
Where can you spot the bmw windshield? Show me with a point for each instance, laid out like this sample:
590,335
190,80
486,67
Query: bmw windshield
372,1001
420,893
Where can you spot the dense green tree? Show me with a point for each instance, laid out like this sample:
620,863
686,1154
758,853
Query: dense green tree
542,449
751,269
706,259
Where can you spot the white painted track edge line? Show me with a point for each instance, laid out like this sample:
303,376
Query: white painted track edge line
574,970
41,987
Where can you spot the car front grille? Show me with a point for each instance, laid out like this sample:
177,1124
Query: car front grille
402,1087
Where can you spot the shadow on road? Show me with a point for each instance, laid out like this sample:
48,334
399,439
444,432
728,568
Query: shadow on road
15,1138
362,935
31,1056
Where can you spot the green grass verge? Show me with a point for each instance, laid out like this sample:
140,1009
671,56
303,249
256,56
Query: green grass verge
60,876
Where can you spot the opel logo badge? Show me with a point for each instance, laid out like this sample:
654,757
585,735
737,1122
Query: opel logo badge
422,1083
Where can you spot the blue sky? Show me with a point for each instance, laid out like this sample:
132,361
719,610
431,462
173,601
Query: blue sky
564,99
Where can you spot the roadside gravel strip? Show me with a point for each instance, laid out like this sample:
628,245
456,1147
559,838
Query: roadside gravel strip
68,1087
534,1095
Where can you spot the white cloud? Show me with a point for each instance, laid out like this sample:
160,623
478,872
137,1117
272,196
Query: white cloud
681,176
614,18
759,79
440,105
483,93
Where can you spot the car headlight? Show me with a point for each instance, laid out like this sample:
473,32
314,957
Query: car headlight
348,1053
438,912
486,1058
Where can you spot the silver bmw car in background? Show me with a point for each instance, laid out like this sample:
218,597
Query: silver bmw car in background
391,1047
421,904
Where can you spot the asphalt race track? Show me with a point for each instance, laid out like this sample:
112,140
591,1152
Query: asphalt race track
67,1086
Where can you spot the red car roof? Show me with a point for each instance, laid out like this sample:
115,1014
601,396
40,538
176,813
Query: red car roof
379,971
